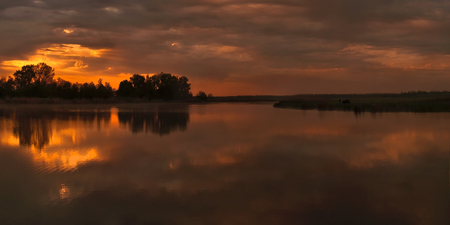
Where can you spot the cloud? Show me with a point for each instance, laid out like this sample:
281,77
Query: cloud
215,40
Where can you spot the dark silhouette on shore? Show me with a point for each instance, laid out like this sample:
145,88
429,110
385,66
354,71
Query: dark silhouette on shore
413,101
159,86
203,96
38,81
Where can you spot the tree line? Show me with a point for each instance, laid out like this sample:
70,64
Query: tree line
159,86
38,81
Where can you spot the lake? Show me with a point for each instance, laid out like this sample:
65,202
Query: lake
221,164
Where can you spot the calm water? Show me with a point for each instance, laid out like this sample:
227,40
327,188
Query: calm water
221,164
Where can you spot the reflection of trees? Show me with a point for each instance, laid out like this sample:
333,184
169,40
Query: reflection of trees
32,131
33,127
155,122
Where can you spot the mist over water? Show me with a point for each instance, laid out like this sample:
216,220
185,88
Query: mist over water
221,164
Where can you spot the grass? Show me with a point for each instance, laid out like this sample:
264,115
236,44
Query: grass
404,102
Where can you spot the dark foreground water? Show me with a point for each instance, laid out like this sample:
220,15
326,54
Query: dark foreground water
221,164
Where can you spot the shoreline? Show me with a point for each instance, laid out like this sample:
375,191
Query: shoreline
373,103
358,103
109,102
194,100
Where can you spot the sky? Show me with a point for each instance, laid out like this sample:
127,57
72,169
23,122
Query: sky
231,47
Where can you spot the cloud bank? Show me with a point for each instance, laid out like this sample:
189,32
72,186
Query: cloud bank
231,47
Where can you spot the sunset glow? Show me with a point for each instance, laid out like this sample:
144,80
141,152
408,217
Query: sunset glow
237,47
224,112
69,60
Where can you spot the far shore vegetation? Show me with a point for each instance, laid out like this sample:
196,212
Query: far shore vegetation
413,101
34,82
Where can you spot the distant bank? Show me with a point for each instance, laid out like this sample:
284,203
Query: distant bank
125,100
358,103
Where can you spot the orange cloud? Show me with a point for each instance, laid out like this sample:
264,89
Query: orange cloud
398,58
71,62
67,59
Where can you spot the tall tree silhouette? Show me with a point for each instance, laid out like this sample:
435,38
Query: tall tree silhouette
125,89
43,74
32,80
38,81
25,76
163,86
34,74
138,82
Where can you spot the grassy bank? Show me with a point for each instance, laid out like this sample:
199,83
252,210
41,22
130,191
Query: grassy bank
115,100
404,102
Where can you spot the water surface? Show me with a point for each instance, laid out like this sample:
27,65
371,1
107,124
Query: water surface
221,164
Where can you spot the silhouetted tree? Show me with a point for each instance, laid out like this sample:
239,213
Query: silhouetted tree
24,77
169,87
43,74
202,96
150,87
125,89
88,90
33,80
2,87
163,86
184,88
104,91
109,90
64,89
138,82
37,81
9,86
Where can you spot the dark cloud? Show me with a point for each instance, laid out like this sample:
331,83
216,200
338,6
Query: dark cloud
216,40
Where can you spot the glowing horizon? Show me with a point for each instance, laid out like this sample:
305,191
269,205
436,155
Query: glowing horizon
266,48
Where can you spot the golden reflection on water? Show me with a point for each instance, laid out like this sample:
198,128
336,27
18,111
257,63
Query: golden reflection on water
114,117
53,143
263,159
395,147
50,144
63,159
10,140
56,139
64,192
59,159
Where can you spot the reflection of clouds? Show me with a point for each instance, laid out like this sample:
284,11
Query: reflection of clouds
63,159
57,138
226,155
10,140
76,135
396,147
273,167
